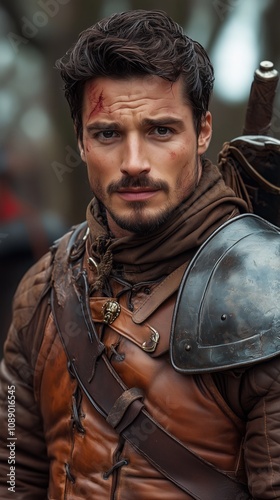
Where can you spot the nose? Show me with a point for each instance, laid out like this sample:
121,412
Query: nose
135,159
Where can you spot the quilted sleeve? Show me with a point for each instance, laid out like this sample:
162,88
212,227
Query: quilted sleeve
23,459
261,400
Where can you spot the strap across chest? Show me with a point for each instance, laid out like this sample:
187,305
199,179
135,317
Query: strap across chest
123,407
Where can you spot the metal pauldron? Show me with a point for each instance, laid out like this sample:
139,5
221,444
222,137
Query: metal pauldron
227,312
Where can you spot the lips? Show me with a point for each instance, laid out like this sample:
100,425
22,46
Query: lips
137,189
139,194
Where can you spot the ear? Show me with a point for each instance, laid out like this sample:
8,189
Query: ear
205,133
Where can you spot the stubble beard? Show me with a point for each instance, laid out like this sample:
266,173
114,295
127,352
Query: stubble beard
140,223
137,221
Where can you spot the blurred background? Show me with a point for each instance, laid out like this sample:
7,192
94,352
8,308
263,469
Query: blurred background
43,183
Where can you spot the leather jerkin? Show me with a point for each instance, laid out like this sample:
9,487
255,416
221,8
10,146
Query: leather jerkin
124,409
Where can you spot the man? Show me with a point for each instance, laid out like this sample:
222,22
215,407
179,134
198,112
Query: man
100,411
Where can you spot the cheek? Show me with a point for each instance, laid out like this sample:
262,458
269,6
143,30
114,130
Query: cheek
86,144
95,184
99,178
91,176
173,155
180,153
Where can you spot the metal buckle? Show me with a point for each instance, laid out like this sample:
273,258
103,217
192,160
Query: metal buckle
150,345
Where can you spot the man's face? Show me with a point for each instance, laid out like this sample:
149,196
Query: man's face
141,149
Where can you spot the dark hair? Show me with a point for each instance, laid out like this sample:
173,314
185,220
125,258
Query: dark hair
137,42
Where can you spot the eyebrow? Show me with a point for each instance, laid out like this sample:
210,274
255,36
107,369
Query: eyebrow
146,122
160,122
103,126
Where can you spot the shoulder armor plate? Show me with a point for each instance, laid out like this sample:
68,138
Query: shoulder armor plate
227,312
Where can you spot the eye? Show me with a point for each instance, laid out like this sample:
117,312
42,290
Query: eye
105,135
162,130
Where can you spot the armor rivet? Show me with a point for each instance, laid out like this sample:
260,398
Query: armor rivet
187,347
223,317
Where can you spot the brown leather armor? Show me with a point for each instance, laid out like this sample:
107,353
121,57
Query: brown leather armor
217,416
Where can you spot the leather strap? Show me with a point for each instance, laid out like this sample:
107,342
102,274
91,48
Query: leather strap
124,408
138,334
165,289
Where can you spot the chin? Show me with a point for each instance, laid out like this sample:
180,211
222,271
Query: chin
140,224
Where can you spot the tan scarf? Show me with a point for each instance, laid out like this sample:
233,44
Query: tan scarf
139,258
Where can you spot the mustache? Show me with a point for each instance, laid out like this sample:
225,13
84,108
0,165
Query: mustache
137,182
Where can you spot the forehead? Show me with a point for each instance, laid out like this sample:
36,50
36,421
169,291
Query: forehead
151,93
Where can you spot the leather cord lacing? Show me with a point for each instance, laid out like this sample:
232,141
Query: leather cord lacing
117,465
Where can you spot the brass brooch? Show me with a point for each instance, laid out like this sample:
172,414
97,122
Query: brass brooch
111,310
